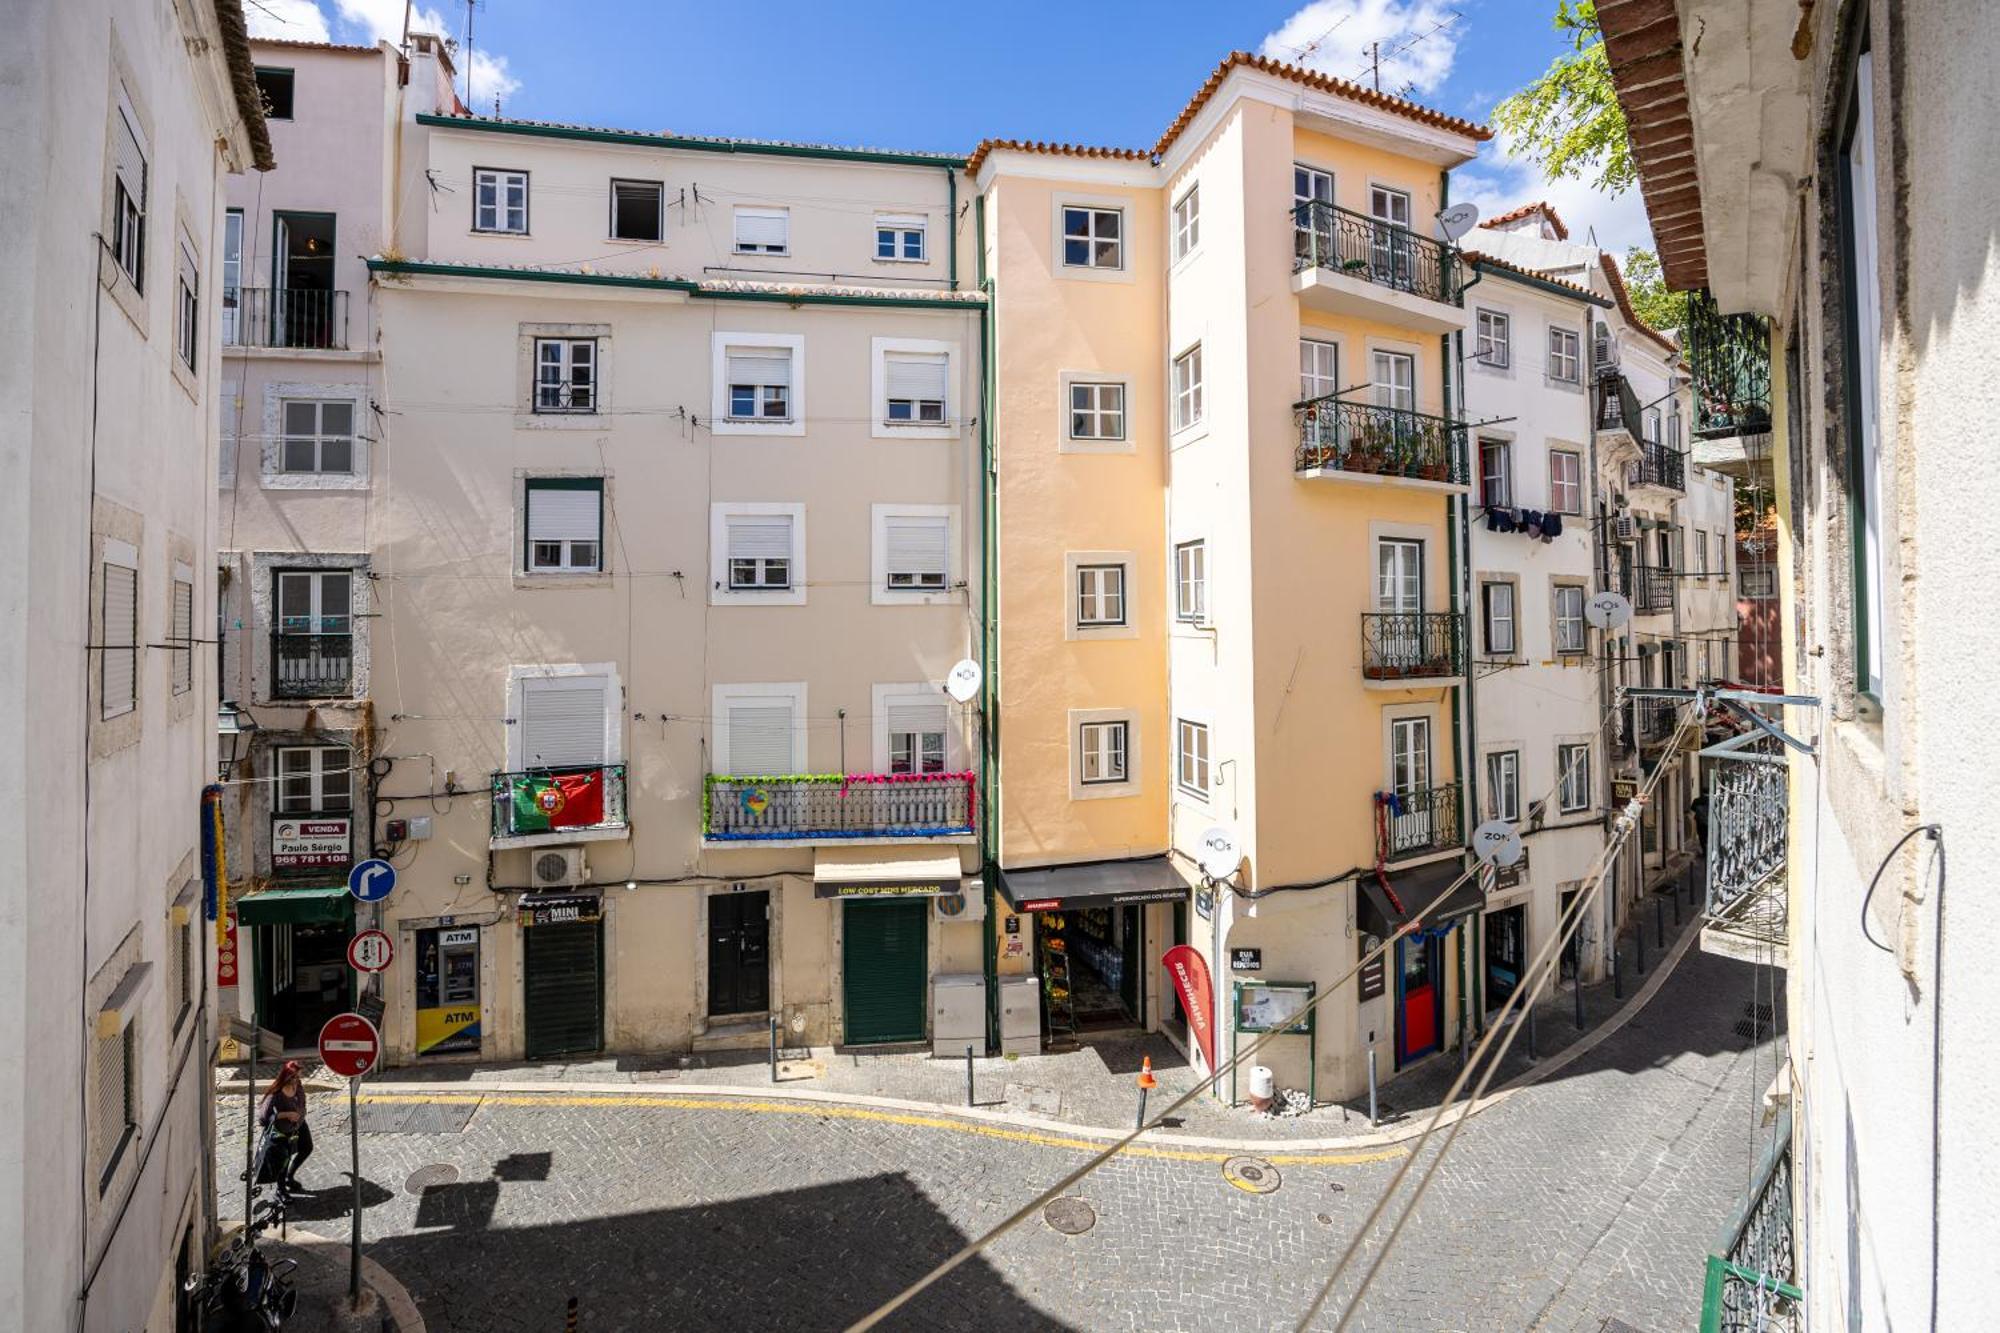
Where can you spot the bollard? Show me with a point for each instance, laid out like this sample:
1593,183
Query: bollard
1660,924
1464,1045
1617,977
1146,1084
1578,989
1374,1118
1677,910
774,1048
569,1319
968,1076
1531,1033
1639,950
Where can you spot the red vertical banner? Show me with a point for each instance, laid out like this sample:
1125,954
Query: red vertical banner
1189,972
225,950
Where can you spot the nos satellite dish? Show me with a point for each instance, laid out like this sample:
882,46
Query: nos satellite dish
1220,856
1607,610
1496,843
962,683
1457,220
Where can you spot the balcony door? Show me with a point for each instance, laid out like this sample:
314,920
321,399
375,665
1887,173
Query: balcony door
1410,820
1395,375
1393,243
313,652
302,280
1399,603
1312,213
232,273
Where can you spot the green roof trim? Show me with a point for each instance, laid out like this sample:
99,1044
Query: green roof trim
416,268
542,130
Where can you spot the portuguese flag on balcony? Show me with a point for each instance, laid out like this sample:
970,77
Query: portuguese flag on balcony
556,800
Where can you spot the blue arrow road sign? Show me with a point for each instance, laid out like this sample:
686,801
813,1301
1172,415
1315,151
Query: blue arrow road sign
371,880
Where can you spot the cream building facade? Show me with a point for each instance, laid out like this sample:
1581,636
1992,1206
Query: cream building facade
124,119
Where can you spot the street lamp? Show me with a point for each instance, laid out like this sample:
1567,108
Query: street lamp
234,728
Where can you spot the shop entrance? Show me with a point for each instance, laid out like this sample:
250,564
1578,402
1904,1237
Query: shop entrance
1419,1013
1567,967
739,953
1107,973
1506,954
302,978
563,984
885,968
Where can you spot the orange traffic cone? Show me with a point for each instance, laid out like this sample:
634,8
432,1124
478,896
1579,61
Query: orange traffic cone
1146,1079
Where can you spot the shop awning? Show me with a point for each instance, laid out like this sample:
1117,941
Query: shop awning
886,872
305,905
1150,879
1416,890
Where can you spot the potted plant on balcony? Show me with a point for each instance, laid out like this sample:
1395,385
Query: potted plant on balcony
1371,448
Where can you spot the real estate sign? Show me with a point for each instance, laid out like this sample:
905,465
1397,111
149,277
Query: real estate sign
309,842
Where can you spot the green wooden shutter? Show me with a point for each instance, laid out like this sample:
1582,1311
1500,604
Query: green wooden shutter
564,983
885,965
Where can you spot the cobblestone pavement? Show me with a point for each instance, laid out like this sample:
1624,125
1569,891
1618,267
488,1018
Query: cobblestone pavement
1587,1198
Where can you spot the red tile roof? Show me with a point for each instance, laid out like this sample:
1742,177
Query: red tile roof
314,46
1493,261
1624,299
1057,149
1525,210
1642,45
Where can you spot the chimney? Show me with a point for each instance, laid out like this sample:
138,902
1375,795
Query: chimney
432,76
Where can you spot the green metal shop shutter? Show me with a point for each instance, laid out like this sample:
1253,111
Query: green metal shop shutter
565,989
884,962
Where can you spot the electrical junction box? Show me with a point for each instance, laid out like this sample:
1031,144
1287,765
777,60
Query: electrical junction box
958,1015
420,828
1021,1015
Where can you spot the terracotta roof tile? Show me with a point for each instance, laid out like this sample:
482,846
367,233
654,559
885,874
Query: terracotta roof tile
1494,261
1624,299
1318,82
1539,206
314,46
1055,149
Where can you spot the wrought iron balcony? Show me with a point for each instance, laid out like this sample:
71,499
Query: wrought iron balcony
1752,1279
804,807
1373,251
1659,466
1651,589
312,666
558,803
1418,645
1418,822
1657,718
1730,356
1366,440
1748,816
298,317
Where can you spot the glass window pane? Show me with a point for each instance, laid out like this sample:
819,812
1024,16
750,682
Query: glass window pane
336,418
336,456
298,456
301,418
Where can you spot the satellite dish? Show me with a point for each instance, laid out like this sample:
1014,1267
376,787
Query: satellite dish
1607,610
1220,856
962,682
1496,843
1457,220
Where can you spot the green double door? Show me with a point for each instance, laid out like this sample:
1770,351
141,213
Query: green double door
885,968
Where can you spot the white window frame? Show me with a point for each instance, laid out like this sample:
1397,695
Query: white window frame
658,189
1392,359
1068,382
1566,644
1094,215
614,706
128,214
723,695
180,631
880,351
187,307
567,564
1561,355
719,591
721,423
1185,222
764,212
1186,390
1109,743
1493,329
900,227
1505,473
1313,381
1572,787
319,436
1503,785
1700,552
881,594
1488,620
1191,588
503,180
1193,771
1100,596
1075,563
322,761
918,692
1102,788
565,384
125,639
1573,483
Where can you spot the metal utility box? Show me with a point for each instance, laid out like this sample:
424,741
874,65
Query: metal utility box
958,1015
1021,1015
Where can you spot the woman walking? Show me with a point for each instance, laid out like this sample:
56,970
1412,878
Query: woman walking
284,1117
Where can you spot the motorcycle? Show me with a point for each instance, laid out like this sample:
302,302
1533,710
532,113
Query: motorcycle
242,1291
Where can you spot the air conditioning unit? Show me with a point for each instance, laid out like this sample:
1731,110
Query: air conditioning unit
969,904
1624,528
1604,348
558,868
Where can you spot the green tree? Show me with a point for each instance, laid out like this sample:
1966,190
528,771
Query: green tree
1664,310
1568,120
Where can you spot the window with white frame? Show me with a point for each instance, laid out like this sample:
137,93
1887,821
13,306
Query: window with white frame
1565,356
565,374
564,720
180,631
1569,623
1700,551
180,946
314,779
1096,410
916,731
1652,425
914,385
1191,757
187,308
1863,319
1191,581
1319,369
760,383
1573,778
1492,339
1100,596
638,210
500,200
315,601
232,272
564,525
763,231
1093,237
1497,606
318,436
1187,388
1187,222
118,657
1102,748
760,730
128,192
1674,426
900,237
1395,375
760,552
916,552
1503,785
1496,473
1566,481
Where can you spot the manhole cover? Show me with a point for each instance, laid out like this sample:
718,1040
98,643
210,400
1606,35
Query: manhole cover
1252,1175
1069,1215
437,1173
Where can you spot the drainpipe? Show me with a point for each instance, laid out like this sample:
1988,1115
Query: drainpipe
989,722
1458,543
951,222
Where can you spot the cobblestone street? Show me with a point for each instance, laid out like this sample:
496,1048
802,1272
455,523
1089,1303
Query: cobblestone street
1588,1198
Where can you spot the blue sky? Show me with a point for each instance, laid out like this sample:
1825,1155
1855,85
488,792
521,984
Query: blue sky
904,75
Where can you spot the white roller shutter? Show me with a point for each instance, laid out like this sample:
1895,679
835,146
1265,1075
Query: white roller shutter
917,547
760,536
920,378
121,636
561,514
911,716
761,227
128,152
759,743
759,365
563,721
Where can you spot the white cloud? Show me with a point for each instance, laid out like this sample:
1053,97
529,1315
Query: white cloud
1499,182
491,79
287,20
382,20
1418,38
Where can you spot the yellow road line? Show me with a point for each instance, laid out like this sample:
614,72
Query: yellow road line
834,1111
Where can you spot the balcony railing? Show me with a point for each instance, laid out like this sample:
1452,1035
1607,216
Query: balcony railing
284,317
558,801
1752,1278
312,666
808,806
1373,251
1656,720
1651,589
1398,645
1731,359
1660,466
1336,436
1413,823
1610,416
